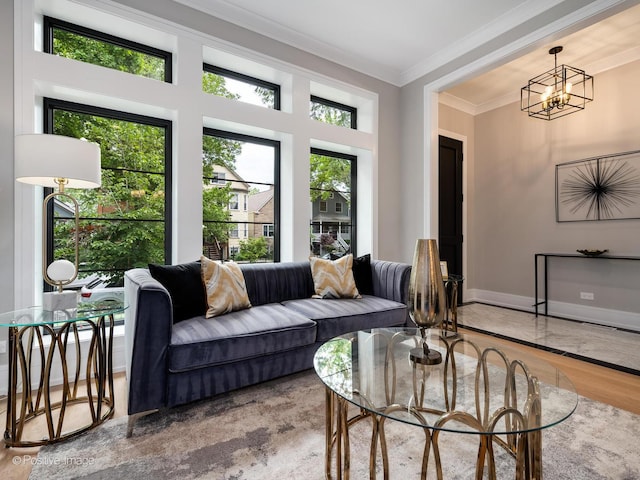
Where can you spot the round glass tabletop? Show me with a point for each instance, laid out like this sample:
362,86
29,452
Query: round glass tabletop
480,386
37,316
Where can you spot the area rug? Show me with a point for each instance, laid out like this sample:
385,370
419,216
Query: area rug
275,431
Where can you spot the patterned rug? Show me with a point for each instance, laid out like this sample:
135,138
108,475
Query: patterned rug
275,431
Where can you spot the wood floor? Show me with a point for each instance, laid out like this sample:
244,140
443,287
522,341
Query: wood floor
605,385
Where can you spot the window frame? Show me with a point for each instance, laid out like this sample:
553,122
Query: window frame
276,145
353,188
340,106
241,77
51,23
52,104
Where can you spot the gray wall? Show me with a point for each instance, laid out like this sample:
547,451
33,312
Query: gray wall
6,154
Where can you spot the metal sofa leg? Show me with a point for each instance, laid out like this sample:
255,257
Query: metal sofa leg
133,418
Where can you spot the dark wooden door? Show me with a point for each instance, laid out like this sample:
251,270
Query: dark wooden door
450,205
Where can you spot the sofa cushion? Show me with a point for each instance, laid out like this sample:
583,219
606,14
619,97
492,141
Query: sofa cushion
333,278
337,316
277,282
225,287
185,287
261,330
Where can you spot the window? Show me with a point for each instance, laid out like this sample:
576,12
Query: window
267,230
218,178
335,113
333,176
251,168
233,202
234,85
91,46
126,222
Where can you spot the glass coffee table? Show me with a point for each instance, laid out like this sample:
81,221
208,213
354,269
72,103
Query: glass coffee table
45,347
504,397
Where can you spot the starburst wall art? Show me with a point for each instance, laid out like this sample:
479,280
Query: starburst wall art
599,188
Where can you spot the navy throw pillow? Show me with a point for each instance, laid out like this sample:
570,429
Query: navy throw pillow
185,286
362,274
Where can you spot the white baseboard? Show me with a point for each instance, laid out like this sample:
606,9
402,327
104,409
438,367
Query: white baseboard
56,377
572,311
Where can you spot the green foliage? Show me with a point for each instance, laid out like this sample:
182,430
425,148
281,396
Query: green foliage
96,52
332,115
329,174
215,214
216,85
267,96
218,151
123,220
252,249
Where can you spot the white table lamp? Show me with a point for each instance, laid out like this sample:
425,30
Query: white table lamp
58,161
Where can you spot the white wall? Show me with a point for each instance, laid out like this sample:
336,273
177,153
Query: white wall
6,156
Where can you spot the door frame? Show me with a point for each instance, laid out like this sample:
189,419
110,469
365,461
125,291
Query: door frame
465,163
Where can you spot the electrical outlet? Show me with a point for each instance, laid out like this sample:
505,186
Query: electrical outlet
3,346
586,295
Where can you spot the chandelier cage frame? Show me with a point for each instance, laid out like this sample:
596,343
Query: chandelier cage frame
555,80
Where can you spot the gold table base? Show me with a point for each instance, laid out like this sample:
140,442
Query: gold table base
31,403
524,444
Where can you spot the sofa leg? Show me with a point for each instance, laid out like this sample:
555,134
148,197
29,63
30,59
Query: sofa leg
133,418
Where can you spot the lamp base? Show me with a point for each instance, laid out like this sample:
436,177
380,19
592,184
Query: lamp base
59,300
430,357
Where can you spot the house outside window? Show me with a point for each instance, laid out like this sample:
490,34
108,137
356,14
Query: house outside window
251,193
267,230
333,179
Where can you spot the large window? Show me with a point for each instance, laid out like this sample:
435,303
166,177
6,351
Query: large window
91,46
125,223
335,113
333,203
230,84
236,209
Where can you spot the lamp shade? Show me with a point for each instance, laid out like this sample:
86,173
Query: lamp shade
40,159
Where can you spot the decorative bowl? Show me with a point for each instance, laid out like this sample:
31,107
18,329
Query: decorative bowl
591,253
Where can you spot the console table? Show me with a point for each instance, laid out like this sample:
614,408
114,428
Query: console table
54,338
546,257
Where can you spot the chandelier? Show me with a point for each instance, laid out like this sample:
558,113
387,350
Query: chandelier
556,92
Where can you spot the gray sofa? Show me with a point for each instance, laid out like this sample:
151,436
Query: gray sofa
169,364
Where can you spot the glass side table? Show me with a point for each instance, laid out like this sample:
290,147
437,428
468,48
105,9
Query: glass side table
44,345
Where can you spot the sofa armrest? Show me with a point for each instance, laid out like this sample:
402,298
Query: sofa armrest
391,280
148,324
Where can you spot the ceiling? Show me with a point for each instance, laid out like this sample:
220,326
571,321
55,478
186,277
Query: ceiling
403,40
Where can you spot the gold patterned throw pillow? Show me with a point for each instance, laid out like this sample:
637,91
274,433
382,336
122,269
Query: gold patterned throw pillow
333,278
225,287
